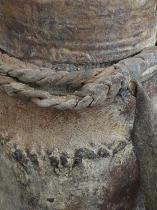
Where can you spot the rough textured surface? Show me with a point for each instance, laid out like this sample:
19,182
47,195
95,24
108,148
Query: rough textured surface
144,136
10,188
66,32
67,160
78,89
72,160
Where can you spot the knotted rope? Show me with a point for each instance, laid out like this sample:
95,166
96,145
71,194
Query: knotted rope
84,88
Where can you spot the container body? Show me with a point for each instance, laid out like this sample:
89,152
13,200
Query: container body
81,32
65,160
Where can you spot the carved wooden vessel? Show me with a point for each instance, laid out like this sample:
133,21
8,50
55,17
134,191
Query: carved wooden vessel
78,32
71,160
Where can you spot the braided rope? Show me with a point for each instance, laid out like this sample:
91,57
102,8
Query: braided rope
92,86
88,88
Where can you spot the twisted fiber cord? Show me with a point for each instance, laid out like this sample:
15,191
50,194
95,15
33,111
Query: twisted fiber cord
91,87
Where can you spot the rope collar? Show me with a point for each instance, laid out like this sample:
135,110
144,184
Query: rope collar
84,88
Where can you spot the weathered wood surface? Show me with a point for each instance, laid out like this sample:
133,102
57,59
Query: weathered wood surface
73,90
72,159
144,137
76,32
66,160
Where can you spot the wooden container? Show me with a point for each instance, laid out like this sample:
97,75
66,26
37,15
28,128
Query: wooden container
71,33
